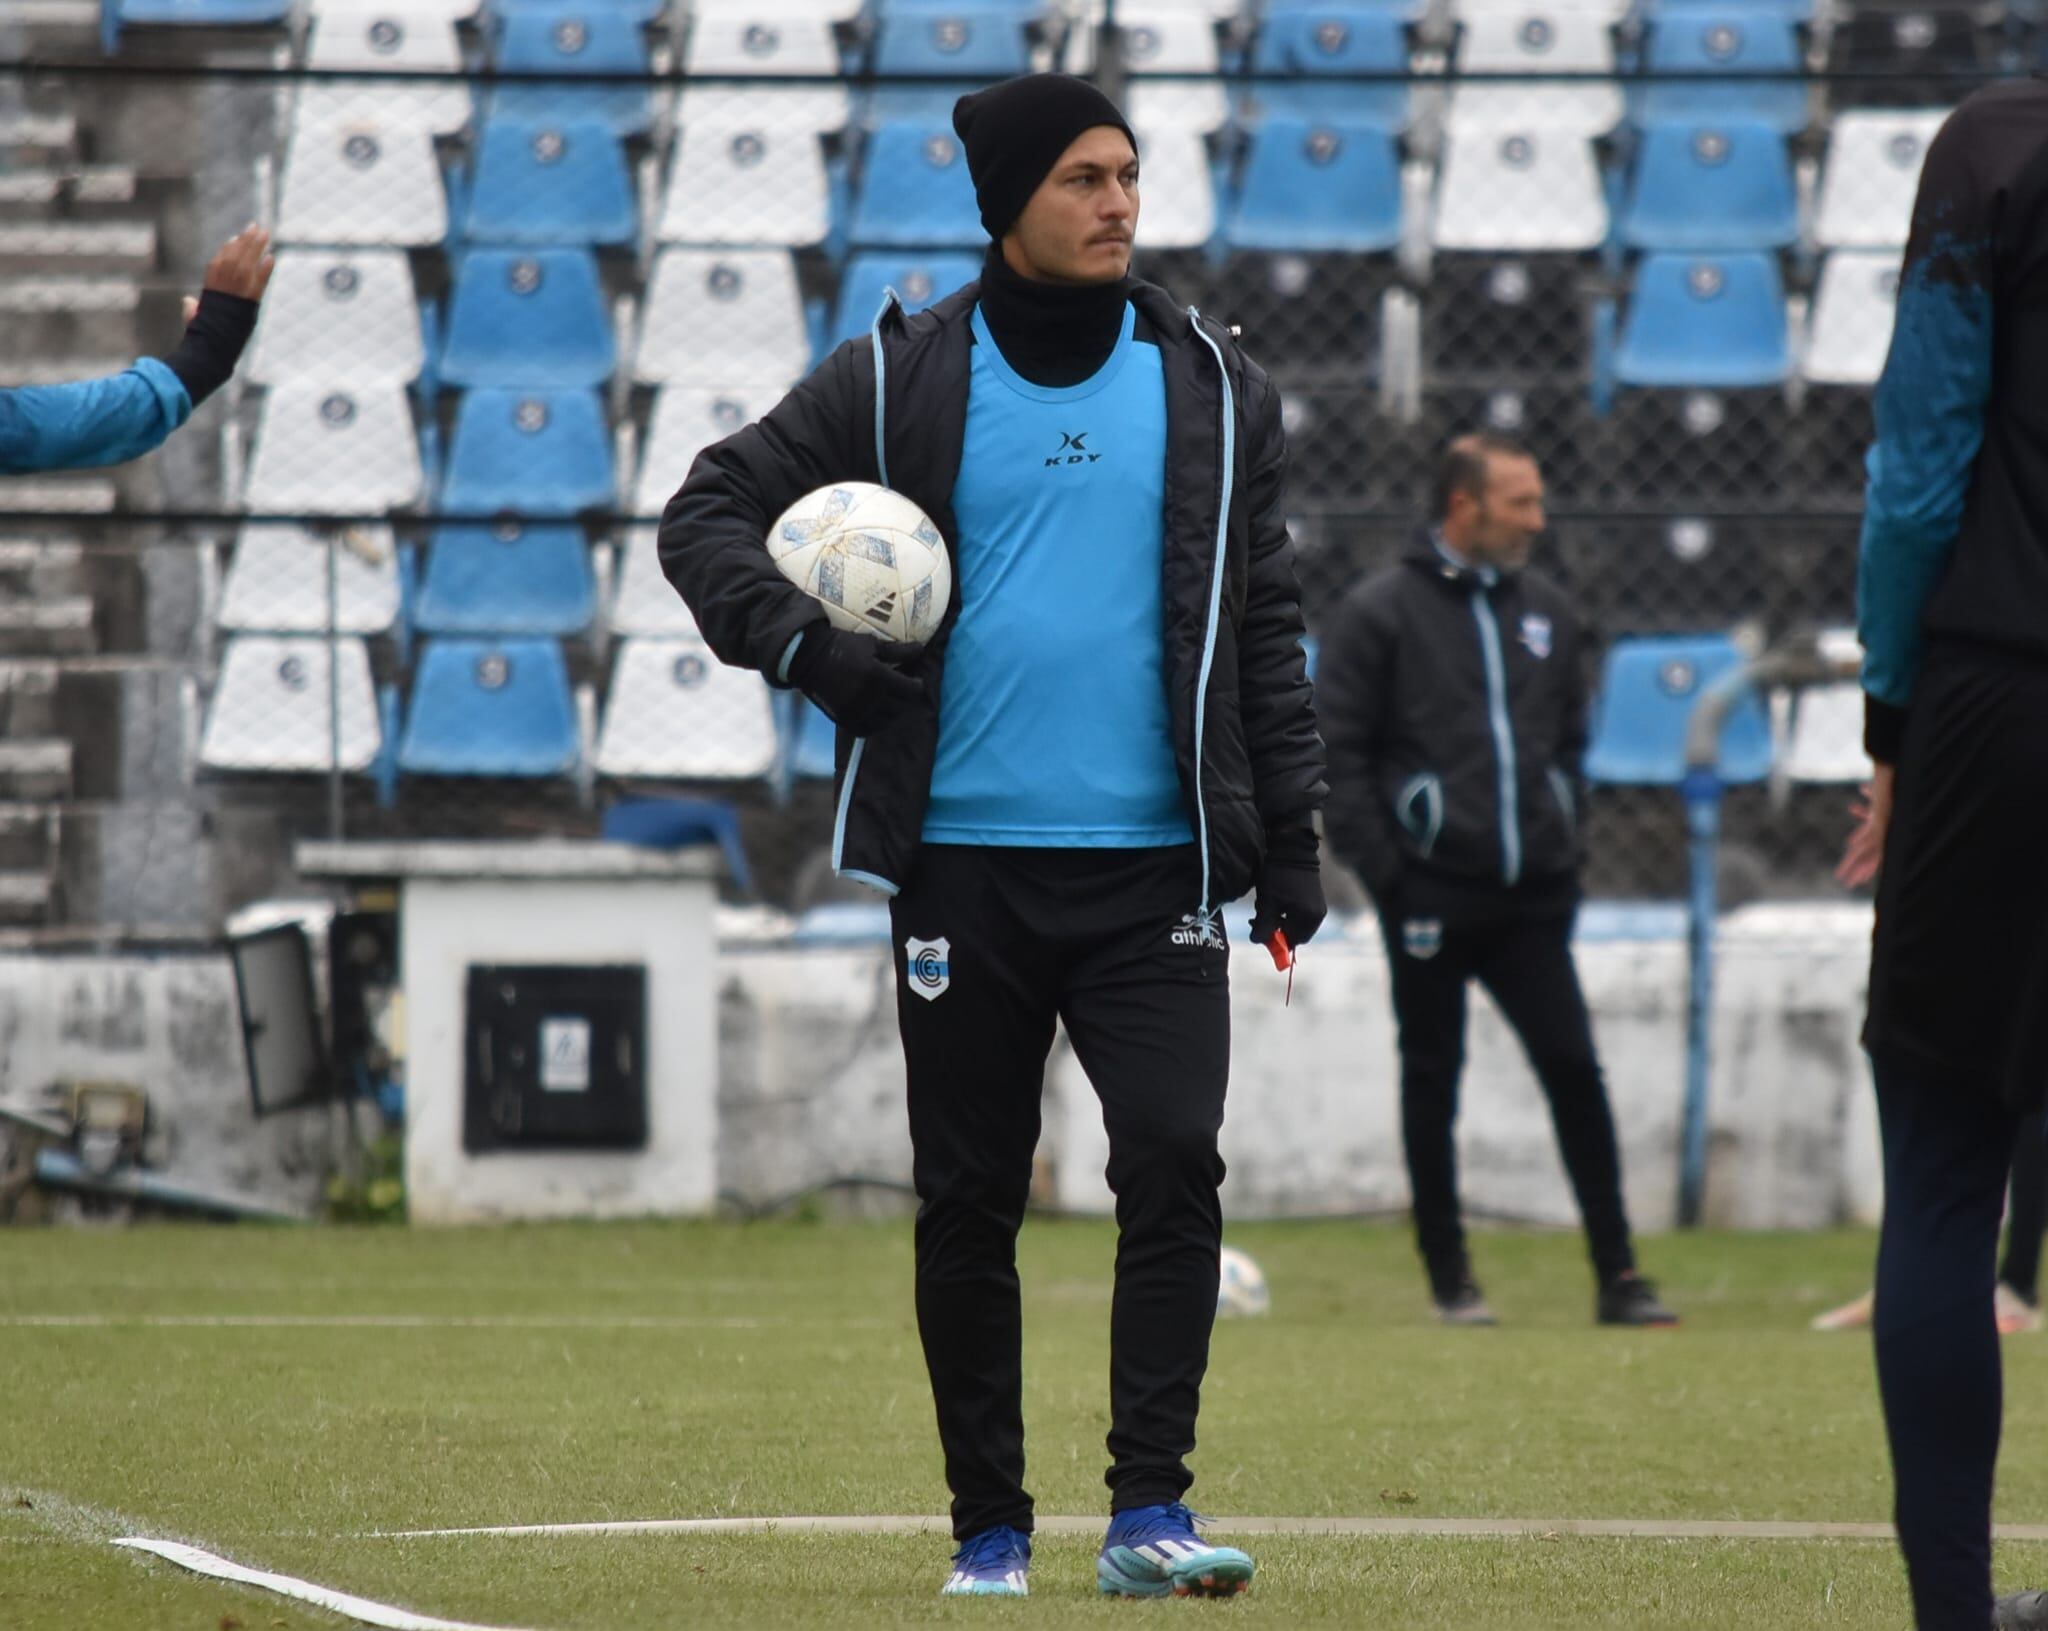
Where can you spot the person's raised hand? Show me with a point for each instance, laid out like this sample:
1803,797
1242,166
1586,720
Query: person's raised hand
241,266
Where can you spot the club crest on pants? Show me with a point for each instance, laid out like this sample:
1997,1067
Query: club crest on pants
1422,937
928,965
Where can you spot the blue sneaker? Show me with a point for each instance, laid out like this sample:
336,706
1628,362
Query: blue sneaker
991,1564
1151,1551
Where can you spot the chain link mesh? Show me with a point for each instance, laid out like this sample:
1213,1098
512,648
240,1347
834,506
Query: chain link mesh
399,577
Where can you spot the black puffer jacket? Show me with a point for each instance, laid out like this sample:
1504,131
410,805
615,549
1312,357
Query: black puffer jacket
1243,724
1454,703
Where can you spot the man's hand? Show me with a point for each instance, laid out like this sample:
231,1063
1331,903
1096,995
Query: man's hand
855,678
240,267
1290,894
1864,853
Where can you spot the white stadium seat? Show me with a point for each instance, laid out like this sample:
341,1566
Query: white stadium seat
1158,39
342,316
1179,190
761,41
676,711
354,180
395,38
1827,722
686,420
277,583
1606,12
271,711
722,318
1852,317
646,602
452,11
1526,192
326,449
747,182
1871,174
819,109
830,11
1523,42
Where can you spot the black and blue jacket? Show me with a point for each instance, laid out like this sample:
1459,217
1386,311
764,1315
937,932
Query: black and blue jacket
1955,528
892,408
1453,700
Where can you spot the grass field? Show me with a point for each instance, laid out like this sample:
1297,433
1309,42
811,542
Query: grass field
283,1396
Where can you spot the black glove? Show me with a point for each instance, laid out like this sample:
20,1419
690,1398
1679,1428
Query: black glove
855,678
1290,895
213,343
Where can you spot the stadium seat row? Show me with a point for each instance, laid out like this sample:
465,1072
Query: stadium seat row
506,708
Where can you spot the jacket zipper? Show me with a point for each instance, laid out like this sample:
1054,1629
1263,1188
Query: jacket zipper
1229,416
1503,735
860,743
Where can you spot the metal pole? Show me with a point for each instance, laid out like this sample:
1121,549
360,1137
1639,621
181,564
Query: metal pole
1702,789
333,685
1801,662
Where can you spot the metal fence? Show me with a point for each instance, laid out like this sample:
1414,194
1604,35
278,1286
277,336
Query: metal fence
400,578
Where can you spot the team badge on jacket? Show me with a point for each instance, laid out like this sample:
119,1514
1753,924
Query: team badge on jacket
1536,633
928,964
1422,937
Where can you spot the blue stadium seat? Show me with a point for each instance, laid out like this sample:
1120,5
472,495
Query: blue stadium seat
1296,47
1693,46
977,42
507,577
1313,186
1705,322
573,38
640,11
915,191
1647,693
1712,188
529,453
917,279
206,13
531,317
490,708
549,183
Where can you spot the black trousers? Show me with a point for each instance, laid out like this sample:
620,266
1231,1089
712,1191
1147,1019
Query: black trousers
992,946
1958,1038
1948,1147
1525,963
2027,1214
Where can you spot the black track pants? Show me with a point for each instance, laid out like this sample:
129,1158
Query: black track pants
1525,963
993,945
1948,1146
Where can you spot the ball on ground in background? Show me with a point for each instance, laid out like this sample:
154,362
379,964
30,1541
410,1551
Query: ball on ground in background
1240,1286
869,556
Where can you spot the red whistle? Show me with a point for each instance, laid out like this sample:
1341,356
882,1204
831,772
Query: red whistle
1283,954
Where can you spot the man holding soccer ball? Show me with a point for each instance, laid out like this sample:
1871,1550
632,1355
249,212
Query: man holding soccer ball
1108,737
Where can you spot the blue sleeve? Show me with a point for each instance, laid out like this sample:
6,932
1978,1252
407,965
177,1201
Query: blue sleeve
91,422
1930,425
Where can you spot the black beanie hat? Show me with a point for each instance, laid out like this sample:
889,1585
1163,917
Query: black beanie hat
1016,131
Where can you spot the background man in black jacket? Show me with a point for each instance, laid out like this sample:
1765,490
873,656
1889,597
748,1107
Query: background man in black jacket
1109,736
1452,695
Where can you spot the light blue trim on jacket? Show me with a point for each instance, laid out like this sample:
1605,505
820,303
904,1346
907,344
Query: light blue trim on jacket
93,422
1503,737
1215,591
860,743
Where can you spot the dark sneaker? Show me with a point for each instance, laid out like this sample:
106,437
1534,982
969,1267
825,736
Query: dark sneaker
1464,1304
2026,1612
1629,1299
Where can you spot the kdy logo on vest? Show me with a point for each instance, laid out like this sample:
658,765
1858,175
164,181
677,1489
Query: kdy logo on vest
1073,450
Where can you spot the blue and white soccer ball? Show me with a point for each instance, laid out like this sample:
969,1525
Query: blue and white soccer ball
1240,1286
869,556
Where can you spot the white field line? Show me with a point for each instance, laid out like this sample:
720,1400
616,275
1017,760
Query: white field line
284,1585
418,1322
1391,1528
